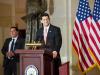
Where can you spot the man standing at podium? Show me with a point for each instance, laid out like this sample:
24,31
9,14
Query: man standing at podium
50,36
10,58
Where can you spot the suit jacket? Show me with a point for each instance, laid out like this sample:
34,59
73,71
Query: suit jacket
54,39
19,44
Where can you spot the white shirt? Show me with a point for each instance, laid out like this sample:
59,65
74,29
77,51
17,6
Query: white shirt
11,42
46,28
45,32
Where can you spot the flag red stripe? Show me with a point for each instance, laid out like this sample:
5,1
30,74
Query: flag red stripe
75,37
93,28
87,22
80,65
83,59
94,54
95,44
75,47
76,25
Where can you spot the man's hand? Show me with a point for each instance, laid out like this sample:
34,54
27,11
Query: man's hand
54,54
9,54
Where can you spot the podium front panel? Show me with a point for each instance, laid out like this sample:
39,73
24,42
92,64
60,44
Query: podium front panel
31,59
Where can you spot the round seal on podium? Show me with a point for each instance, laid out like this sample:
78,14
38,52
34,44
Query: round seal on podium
31,70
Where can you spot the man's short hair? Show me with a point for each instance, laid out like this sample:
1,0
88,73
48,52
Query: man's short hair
44,14
16,28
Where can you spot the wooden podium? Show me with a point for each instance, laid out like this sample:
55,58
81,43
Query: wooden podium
35,62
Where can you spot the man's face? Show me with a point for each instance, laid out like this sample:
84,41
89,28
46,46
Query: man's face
13,32
45,21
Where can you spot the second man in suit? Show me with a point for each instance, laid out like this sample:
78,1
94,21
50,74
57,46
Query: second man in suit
8,50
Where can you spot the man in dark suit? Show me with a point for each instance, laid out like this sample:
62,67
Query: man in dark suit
10,57
50,36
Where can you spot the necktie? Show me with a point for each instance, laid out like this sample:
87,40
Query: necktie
12,45
45,35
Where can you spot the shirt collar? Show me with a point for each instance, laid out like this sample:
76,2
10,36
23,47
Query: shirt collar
47,27
15,38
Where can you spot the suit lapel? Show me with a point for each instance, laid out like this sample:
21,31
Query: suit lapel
49,33
42,35
16,43
8,42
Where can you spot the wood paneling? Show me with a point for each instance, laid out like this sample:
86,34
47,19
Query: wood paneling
5,14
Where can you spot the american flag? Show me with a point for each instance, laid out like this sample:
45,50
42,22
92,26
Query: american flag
95,32
80,40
